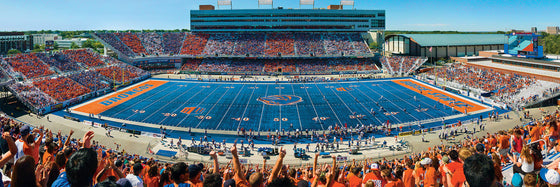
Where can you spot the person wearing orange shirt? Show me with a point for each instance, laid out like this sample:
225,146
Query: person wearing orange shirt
373,175
432,174
391,181
353,179
408,177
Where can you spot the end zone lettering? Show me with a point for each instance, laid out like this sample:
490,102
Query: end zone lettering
125,94
107,102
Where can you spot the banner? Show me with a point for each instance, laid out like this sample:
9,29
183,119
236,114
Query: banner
347,2
224,2
306,2
265,2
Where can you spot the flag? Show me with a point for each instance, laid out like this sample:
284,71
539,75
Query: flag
430,49
265,2
306,2
347,2
224,2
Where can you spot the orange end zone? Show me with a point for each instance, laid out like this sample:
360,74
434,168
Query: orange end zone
447,99
105,103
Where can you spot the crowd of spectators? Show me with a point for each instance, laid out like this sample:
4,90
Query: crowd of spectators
279,65
121,73
240,44
59,61
132,41
172,42
194,44
41,88
61,88
45,158
152,42
32,94
250,44
221,44
113,40
84,56
29,65
309,43
90,79
282,43
336,44
504,86
402,65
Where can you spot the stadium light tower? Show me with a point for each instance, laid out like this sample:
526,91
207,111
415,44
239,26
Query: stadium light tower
266,2
347,2
224,3
307,2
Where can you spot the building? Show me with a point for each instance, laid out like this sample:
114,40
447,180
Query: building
534,30
443,45
15,40
42,38
552,30
66,43
291,20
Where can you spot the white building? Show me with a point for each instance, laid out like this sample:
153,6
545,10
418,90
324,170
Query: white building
42,38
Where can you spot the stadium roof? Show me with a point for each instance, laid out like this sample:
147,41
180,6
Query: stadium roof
455,39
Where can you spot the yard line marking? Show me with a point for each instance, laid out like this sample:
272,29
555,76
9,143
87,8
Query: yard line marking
181,106
347,107
297,109
132,105
262,111
246,106
229,107
366,110
227,90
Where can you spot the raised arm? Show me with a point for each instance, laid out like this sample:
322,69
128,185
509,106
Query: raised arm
11,145
236,163
215,158
278,165
67,142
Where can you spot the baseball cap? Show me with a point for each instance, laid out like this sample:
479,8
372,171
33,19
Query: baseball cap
374,166
25,130
426,161
550,176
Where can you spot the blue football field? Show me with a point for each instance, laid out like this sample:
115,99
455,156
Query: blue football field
277,106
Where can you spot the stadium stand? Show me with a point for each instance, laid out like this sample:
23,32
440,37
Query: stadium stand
133,42
239,44
43,87
29,65
172,42
282,43
251,44
152,42
112,40
194,44
402,65
84,56
511,89
61,88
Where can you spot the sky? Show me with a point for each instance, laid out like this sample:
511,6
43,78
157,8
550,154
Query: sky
412,15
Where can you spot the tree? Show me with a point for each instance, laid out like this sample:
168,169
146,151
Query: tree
13,51
55,45
373,45
73,45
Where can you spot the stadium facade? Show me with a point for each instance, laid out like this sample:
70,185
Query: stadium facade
287,20
443,45
15,40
